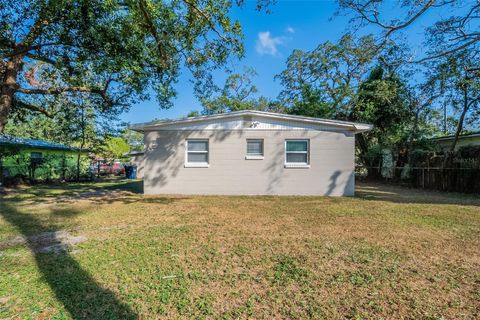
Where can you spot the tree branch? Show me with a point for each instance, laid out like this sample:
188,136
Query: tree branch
364,12
412,19
23,105
41,58
26,49
151,27
447,52
207,18
54,91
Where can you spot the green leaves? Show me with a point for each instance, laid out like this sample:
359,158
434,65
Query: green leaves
349,81
382,101
116,51
328,74
238,93
115,148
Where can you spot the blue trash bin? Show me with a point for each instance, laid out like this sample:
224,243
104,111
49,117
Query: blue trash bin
133,172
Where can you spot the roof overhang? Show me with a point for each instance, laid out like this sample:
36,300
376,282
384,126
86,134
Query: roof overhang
463,136
157,125
135,153
34,144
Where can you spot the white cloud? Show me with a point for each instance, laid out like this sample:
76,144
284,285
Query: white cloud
290,30
266,44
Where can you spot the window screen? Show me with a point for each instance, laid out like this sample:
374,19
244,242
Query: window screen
254,147
197,151
296,151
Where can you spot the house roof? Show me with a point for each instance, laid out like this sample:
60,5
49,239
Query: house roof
135,153
353,126
462,136
33,143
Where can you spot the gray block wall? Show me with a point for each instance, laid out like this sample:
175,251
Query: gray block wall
331,171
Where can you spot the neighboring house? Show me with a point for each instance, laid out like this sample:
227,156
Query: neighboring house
21,155
472,139
137,159
250,153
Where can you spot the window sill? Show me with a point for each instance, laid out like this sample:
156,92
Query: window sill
254,157
197,165
297,166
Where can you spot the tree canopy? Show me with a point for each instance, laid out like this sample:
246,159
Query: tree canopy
454,30
459,87
115,148
450,41
238,93
329,74
351,80
113,51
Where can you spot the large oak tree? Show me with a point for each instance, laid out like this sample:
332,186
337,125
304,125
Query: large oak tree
114,51
449,52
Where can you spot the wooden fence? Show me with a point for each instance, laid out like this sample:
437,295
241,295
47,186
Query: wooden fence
465,180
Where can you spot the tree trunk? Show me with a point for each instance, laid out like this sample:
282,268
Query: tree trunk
8,86
82,144
64,165
78,166
78,158
5,106
2,188
445,117
363,147
461,119
449,155
1,171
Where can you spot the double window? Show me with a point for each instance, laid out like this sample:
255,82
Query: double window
254,149
197,153
297,153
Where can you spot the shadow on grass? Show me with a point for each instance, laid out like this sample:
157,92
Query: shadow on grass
79,293
77,188
133,186
122,191
398,194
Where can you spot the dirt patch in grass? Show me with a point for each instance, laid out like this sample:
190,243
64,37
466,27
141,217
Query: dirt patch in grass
55,241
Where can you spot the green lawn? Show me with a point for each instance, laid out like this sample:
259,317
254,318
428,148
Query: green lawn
103,251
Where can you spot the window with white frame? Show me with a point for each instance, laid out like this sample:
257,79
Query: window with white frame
254,149
297,153
197,153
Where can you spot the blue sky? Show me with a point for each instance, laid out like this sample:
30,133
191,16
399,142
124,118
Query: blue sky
290,25
269,40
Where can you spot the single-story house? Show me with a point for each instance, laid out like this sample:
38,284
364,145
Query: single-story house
445,143
22,156
250,153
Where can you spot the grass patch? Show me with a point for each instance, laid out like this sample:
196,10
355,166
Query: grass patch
387,253
287,269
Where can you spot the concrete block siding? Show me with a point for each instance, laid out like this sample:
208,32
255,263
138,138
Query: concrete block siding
331,160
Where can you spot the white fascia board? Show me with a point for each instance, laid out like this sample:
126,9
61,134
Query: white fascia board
356,127
363,127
